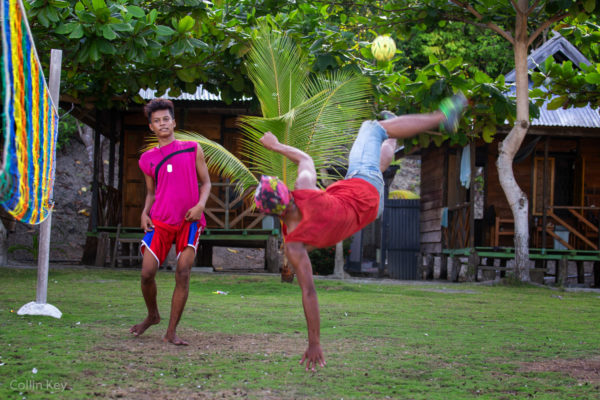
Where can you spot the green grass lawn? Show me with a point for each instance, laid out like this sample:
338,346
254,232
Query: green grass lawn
415,341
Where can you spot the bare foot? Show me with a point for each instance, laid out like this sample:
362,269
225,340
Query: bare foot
175,340
140,328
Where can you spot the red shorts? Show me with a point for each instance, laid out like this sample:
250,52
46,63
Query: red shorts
160,240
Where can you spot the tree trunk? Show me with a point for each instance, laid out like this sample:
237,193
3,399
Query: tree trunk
86,133
517,199
338,269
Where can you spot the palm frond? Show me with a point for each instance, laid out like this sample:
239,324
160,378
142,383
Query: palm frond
218,159
278,70
324,126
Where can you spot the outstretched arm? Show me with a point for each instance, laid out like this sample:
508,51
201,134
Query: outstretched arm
307,175
298,256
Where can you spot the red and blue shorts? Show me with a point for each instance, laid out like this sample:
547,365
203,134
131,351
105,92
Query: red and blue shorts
160,240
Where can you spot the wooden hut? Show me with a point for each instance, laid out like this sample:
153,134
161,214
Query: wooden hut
466,223
117,201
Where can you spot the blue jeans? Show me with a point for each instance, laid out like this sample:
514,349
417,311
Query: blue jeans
363,161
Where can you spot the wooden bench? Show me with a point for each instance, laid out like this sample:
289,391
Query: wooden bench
541,256
253,238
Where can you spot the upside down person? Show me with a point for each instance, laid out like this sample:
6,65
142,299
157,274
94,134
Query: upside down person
315,218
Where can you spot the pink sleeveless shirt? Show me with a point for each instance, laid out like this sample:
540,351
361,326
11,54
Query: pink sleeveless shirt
173,169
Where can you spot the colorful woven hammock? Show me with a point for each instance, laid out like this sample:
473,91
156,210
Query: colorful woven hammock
29,122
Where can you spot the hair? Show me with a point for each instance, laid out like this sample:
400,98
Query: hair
156,105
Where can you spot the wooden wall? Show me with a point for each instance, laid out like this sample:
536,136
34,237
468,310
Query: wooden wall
220,127
590,151
437,176
433,181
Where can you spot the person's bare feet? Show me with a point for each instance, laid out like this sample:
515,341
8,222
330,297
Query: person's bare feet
173,338
140,328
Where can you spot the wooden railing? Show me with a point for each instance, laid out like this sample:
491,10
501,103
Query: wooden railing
231,210
458,233
586,231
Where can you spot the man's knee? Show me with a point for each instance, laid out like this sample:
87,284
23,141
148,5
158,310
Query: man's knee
148,275
182,275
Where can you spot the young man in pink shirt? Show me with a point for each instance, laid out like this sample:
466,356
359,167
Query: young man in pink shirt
173,212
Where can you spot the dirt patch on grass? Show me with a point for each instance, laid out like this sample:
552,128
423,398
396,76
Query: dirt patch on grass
185,393
150,344
581,369
143,360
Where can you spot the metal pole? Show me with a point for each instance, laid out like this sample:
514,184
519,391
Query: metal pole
227,204
45,227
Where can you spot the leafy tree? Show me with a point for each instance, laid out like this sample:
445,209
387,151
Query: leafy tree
112,48
567,85
316,113
521,23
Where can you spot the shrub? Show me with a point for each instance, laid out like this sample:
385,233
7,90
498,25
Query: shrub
323,260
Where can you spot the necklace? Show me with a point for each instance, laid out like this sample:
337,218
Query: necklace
169,165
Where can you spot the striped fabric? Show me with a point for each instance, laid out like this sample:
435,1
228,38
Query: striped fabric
29,122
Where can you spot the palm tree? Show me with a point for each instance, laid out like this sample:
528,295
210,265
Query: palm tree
318,114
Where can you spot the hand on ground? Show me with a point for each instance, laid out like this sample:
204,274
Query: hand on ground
313,357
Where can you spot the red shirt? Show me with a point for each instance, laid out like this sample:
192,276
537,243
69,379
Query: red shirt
331,215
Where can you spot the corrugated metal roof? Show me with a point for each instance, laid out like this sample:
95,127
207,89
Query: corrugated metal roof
557,44
200,95
582,117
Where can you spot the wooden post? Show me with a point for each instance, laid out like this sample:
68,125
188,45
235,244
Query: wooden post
111,155
452,265
472,265
471,221
97,166
40,307
580,272
272,257
206,254
227,205
103,241
562,271
45,227
544,195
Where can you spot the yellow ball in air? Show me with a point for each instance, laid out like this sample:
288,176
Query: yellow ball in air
383,48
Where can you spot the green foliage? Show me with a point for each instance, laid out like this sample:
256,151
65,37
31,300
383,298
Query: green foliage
478,49
565,85
113,48
33,250
323,260
316,113
67,129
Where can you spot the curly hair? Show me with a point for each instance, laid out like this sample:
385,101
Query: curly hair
156,105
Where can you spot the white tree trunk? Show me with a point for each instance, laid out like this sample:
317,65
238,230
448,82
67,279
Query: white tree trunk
338,269
517,199
86,133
